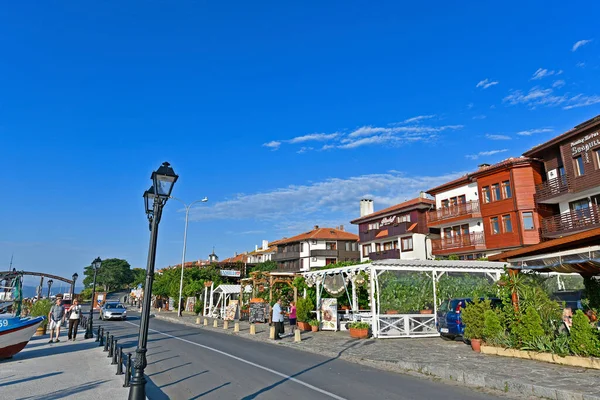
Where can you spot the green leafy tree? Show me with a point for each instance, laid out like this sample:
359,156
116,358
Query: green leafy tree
113,275
139,277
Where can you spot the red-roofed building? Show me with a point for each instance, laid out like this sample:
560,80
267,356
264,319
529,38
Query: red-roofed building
487,211
397,232
316,248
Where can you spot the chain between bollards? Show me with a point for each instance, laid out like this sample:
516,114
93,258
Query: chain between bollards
128,370
114,352
120,361
110,346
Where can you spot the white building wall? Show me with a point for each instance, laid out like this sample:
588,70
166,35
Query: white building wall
470,192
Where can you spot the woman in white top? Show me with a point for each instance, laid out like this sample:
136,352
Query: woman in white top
75,315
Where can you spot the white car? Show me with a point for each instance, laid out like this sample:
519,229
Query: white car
113,311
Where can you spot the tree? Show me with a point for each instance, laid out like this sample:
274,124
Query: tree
139,277
114,274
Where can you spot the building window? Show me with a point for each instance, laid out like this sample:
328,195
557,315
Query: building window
528,224
485,194
506,224
495,225
496,192
366,248
462,199
302,247
579,169
387,246
445,203
374,225
331,245
378,247
579,204
348,246
404,218
407,244
506,192
354,246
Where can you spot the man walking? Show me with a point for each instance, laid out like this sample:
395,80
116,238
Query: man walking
278,319
56,317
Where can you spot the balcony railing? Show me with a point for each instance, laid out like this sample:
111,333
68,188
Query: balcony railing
385,255
552,188
572,221
324,253
458,242
285,255
457,210
396,229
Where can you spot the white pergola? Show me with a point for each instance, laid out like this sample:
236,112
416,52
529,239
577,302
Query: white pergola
400,325
225,292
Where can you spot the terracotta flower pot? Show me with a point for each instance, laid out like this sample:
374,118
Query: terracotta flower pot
391,312
359,333
305,326
476,345
314,328
426,311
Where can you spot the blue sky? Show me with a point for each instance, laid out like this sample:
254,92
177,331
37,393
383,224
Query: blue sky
283,115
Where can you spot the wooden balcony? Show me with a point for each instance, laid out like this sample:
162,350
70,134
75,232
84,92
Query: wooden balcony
285,255
552,188
385,255
571,222
472,241
456,212
385,231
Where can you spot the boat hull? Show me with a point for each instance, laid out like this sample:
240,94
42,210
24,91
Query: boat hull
15,333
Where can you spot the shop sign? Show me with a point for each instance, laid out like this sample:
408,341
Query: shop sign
585,143
230,273
388,221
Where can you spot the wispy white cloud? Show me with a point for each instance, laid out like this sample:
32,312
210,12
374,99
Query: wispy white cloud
316,137
542,73
304,150
273,145
328,147
418,118
369,130
558,83
479,117
580,43
582,100
470,106
484,154
536,96
497,137
534,131
581,64
334,199
486,83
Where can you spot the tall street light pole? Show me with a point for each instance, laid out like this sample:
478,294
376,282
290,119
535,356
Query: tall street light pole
187,214
75,276
50,282
89,333
163,180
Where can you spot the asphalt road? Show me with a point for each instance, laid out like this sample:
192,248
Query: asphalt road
190,363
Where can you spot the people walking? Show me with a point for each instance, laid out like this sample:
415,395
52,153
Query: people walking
74,318
56,317
292,316
278,319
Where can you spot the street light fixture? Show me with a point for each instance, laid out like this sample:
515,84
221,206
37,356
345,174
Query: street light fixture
75,276
50,282
89,333
163,180
187,214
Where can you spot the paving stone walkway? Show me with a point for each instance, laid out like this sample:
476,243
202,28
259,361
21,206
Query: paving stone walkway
435,357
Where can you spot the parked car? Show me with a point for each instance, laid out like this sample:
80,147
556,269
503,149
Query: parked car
449,314
113,310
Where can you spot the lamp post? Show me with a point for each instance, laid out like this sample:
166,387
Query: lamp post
187,214
89,333
75,276
155,198
50,282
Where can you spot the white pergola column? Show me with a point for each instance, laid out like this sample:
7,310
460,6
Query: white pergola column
318,306
205,306
210,306
434,278
374,305
354,296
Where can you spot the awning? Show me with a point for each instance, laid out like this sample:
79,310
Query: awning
231,289
382,234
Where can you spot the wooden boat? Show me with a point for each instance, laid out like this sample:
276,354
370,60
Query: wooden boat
15,333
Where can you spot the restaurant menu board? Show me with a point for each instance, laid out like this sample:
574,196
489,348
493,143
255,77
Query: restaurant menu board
329,314
231,310
258,312
190,304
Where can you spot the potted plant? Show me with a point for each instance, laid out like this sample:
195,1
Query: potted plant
314,325
473,317
41,308
303,309
359,330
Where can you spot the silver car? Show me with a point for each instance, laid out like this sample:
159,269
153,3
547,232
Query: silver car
113,311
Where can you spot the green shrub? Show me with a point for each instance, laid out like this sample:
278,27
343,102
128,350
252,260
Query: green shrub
359,325
592,292
529,327
41,308
313,322
474,320
198,308
492,329
583,341
303,309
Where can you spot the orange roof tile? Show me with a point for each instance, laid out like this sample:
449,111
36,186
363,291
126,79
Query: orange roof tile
321,234
398,207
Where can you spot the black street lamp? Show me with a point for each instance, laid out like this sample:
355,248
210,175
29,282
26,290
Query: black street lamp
75,276
163,180
50,282
89,333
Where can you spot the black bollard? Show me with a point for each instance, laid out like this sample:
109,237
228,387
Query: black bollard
127,370
106,341
101,336
120,362
110,347
98,335
114,352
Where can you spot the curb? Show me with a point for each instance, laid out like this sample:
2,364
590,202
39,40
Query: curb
454,375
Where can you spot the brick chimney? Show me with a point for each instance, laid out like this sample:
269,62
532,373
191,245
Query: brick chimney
316,227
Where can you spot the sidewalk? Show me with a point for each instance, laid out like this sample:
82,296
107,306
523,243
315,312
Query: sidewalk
65,370
435,358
